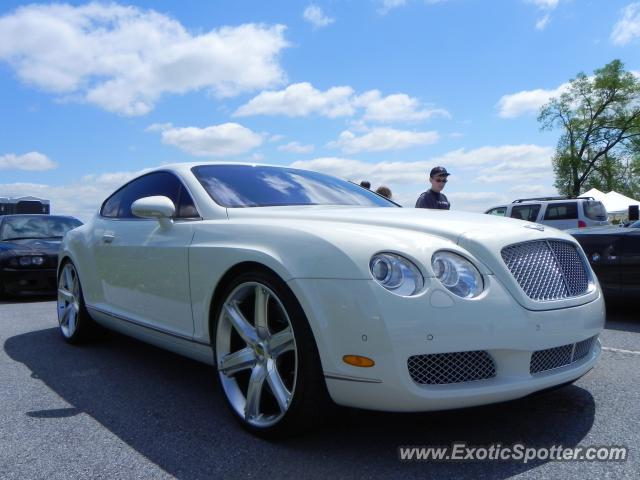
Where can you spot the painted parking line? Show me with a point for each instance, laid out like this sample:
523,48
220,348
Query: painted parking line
620,350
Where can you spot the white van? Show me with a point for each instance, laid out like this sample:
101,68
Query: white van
558,212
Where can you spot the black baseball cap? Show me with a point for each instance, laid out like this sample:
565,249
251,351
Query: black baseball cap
439,171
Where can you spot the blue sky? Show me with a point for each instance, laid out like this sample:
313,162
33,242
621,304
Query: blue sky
94,92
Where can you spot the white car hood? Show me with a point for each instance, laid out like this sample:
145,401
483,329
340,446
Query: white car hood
483,236
443,223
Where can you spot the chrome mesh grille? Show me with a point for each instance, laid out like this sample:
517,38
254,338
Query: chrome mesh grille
454,367
547,269
556,357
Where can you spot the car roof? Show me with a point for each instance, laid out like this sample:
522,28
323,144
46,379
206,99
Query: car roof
557,200
43,215
187,166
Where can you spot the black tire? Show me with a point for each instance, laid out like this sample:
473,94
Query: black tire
85,329
310,402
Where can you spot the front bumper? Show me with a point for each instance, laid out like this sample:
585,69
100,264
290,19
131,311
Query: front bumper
28,281
359,317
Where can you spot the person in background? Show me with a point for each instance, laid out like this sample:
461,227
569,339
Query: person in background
384,191
365,184
434,198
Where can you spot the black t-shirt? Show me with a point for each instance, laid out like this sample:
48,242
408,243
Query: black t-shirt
431,199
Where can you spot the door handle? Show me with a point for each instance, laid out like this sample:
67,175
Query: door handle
108,237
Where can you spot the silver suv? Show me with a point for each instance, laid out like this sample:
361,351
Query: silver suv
557,212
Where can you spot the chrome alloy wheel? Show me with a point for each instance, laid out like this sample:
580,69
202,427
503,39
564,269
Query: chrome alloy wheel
68,300
256,354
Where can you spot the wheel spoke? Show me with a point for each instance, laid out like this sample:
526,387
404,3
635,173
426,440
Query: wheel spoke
66,295
281,342
242,326
64,319
254,392
260,311
68,279
72,320
235,362
278,388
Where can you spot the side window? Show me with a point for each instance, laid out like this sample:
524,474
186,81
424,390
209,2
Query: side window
157,183
525,212
111,206
186,207
561,211
500,211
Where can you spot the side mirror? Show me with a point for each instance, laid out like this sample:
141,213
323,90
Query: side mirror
157,207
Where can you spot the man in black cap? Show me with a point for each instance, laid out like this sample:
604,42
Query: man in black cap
434,198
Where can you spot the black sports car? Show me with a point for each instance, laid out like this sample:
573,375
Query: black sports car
614,254
29,247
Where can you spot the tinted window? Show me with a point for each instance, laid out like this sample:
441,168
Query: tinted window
561,211
500,211
111,206
525,212
594,210
157,183
260,186
19,226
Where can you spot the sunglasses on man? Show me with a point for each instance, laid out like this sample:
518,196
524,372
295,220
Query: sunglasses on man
441,180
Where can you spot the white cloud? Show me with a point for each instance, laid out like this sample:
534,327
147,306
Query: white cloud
158,127
628,27
532,189
216,140
386,5
542,23
489,160
527,101
303,99
397,107
315,16
123,58
28,161
296,147
531,162
300,100
379,139
408,179
545,4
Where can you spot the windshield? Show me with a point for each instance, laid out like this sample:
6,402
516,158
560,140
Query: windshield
30,226
635,224
261,186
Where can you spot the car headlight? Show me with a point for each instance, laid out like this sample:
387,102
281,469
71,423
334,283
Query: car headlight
397,274
457,274
27,261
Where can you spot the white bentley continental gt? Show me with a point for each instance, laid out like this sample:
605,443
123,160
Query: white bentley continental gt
307,291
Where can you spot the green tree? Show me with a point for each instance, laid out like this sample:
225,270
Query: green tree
600,121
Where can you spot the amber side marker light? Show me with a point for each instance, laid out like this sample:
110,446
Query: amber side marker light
358,361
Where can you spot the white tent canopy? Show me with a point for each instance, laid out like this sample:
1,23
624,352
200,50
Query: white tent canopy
614,202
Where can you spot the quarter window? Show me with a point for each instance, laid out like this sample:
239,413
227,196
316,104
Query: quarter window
561,211
157,183
526,212
500,211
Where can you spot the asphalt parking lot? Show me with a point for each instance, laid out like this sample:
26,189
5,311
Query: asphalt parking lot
122,409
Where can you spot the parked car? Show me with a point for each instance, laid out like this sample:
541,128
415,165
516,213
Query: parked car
557,212
29,247
305,289
614,254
